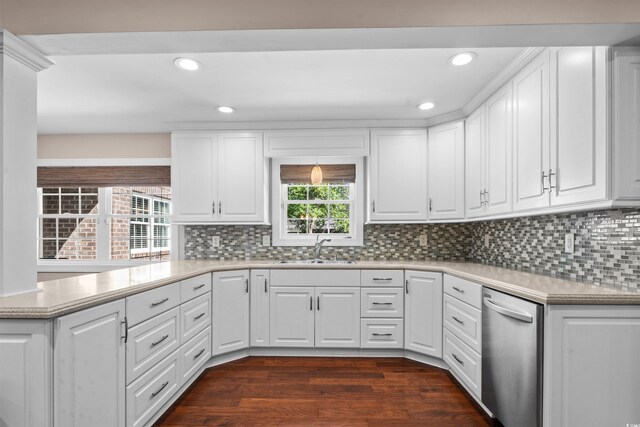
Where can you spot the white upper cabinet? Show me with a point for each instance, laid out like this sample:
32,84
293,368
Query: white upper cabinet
475,163
218,177
499,128
579,143
446,171
398,176
531,135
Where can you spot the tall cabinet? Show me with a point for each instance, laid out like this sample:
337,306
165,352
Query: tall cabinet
218,177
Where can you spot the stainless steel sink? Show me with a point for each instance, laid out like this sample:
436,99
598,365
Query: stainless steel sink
314,261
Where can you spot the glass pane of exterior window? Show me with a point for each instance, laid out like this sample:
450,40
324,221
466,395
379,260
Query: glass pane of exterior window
51,204
339,210
339,192
89,203
295,210
297,226
318,211
70,204
297,192
339,226
318,192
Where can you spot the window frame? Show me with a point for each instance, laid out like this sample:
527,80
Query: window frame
279,211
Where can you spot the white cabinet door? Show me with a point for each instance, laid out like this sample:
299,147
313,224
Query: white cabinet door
291,316
579,134
475,160
531,135
423,313
337,320
241,178
25,372
193,177
259,308
499,151
446,171
89,365
230,311
398,175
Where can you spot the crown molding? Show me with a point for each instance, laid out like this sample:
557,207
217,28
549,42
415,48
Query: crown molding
293,124
21,51
447,117
501,78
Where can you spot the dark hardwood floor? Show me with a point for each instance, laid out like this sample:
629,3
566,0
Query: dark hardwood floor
313,391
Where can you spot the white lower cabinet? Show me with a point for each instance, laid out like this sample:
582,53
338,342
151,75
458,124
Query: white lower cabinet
381,333
151,391
89,367
25,372
230,311
259,322
423,313
464,361
291,316
194,354
337,317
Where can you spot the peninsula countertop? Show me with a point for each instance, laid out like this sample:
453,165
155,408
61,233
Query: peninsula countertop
59,297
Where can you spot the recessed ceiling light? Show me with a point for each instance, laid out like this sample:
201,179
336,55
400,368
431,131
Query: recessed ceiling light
462,58
426,106
225,109
187,64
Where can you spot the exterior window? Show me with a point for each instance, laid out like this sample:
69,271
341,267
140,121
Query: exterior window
312,209
104,224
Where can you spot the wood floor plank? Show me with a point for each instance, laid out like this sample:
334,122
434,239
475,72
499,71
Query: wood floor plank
316,391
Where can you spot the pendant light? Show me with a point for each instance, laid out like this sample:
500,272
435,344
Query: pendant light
316,175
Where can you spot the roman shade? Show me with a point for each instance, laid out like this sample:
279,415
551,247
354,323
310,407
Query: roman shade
332,174
104,176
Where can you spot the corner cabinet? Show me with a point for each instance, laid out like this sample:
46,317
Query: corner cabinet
218,177
398,176
230,311
446,171
423,312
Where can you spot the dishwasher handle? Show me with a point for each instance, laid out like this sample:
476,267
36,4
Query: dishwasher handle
523,317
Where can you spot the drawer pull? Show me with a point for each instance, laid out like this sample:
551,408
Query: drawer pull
157,392
376,279
199,316
458,289
157,303
382,303
199,354
195,288
153,344
381,335
457,359
457,320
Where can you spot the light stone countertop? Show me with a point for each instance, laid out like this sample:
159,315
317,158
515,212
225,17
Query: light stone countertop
63,296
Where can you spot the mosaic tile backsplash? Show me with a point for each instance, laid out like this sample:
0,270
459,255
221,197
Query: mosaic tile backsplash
607,245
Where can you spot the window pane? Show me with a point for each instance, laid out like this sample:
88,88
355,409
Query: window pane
296,226
339,226
48,227
318,211
318,225
89,190
89,203
70,190
51,204
50,190
339,210
340,192
48,249
70,204
296,210
318,192
297,192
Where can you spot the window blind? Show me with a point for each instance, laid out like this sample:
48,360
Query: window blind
104,176
332,174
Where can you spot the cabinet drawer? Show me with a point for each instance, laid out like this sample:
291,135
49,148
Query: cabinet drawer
144,306
195,286
195,315
381,333
151,341
463,361
152,390
382,302
464,321
315,277
195,353
464,290
383,278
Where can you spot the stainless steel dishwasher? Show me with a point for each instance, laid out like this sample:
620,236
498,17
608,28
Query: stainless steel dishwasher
512,359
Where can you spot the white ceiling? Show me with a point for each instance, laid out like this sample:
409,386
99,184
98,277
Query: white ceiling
111,93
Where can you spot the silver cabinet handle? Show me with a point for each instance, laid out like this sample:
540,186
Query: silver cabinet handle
551,186
406,286
457,359
378,279
213,207
265,285
125,323
481,201
318,303
311,303
458,289
523,317
157,303
246,286
486,196
153,344
373,205
199,316
430,204
155,393
381,303
199,354
381,335
544,176
195,288
220,207
457,320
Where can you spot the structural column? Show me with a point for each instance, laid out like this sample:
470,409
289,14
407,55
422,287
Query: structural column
19,65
